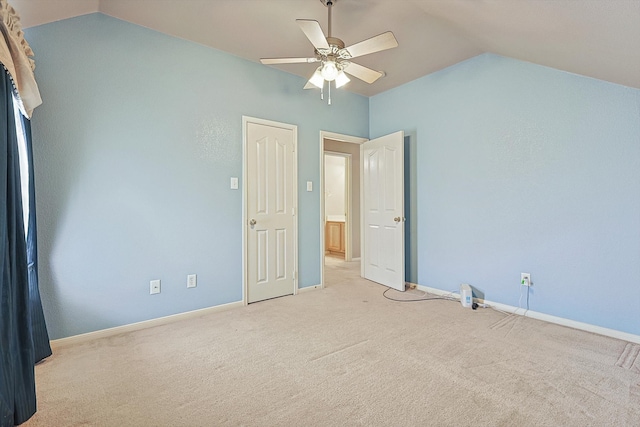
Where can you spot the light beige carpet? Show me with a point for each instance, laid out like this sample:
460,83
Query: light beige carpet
344,356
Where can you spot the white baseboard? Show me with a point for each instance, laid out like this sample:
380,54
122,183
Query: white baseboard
76,339
613,333
309,288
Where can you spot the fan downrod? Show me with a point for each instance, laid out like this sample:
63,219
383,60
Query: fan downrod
329,4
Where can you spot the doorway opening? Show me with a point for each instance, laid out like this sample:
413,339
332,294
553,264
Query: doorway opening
337,195
381,201
340,187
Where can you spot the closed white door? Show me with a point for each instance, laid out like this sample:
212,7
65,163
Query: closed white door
270,210
383,245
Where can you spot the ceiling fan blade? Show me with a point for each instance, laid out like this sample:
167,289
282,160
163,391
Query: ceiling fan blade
309,85
374,44
271,61
314,33
363,73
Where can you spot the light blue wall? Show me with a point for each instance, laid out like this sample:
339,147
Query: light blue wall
512,167
523,168
135,144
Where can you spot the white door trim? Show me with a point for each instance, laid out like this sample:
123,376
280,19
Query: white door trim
245,121
342,138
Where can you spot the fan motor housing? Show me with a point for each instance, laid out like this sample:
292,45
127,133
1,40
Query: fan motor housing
334,41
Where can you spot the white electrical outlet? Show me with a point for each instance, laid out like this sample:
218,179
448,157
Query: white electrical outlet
525,279
191,281
154,287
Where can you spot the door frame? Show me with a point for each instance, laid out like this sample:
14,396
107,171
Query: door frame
341,138
245,219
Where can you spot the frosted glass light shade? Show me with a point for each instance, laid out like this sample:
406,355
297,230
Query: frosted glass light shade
329,71
317,80
342,79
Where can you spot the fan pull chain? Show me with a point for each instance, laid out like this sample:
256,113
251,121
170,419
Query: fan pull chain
329,85
322,91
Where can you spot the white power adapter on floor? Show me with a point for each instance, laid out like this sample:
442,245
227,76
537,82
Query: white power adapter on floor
466,295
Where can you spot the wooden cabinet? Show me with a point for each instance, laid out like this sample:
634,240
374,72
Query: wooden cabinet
334,237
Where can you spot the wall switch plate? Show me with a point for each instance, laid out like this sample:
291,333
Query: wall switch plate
192,281
309,185
234,183
525,279
154,287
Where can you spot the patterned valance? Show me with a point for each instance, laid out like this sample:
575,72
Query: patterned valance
15,56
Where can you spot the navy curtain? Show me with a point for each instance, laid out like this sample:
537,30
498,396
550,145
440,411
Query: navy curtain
17,354
39,332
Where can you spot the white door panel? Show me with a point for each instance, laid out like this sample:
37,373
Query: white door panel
270,232
383,173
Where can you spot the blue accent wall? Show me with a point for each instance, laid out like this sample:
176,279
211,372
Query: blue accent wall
135,145
523,168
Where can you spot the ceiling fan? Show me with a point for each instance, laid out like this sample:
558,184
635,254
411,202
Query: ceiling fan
334,57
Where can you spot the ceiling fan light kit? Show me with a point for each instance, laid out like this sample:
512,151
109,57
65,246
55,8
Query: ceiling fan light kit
334,57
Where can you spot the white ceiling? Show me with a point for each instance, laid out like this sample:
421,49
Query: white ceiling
595,38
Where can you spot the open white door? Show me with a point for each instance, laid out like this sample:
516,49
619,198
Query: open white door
270,172
383,210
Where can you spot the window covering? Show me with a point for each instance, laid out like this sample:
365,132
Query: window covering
17,381
16,57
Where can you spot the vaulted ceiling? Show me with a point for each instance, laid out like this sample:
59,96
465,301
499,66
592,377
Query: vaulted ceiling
595,38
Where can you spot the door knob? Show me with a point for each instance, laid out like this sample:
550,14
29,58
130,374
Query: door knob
397,219
252,222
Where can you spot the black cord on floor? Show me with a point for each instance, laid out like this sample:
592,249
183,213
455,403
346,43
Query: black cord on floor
384,294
